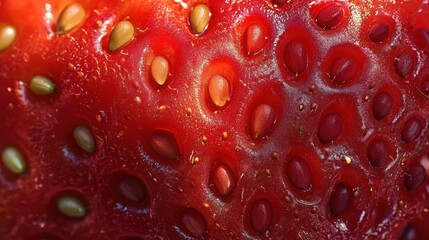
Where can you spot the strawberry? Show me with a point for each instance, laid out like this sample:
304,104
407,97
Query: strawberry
217,119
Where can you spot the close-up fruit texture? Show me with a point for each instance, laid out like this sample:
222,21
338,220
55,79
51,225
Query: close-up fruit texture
214,119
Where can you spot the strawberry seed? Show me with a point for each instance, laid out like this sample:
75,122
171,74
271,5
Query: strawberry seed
7,36
121,35
261,215
71,207
41,85
299,173
194,222
70,17
13,160
340,199
330,16
255,38
219,91
165,144
262,120
160,69
83,137
224,180
295,57
199,18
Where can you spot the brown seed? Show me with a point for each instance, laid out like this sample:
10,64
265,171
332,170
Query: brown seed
121,35
70,17
165,144
7,36
218,90
83,137
160,69
199,18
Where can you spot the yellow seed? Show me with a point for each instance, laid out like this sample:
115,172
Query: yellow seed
199,18
70,17
13,160
41,85
159,69
7,36
83,137
218,90
71,207
121,35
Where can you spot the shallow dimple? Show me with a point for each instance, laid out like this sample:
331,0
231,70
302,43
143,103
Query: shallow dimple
343,70
295,57
378,153
330,128
414,176
340,199
409,233
83,137
13,160
403,64
224,180
330,16
218,88
262,120
421,35
261,215
199,18
70,17
378,32
255,38
165,144
160,69
132,188
194,222
411,130
299,173
71,206
7,36
382,105
41,85
121,35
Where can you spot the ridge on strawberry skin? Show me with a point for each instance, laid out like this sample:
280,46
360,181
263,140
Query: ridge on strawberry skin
211,119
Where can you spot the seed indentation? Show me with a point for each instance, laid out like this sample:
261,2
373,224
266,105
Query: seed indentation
132,188
409,233
71,206
343,70
411,130
255,38
194,222
403,64
261,215
378,32
414,176
121,35
378,153
13,160
70,17
41,85
340,199
299,173
382,105
83,137
330,16
218,88
7,36
199,18
165,144
262,120
160,69
295,57
330,128
421,35
224,180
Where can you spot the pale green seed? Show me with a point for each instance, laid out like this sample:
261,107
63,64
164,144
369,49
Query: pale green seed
83,137
71,207
41,85
7,36
13,160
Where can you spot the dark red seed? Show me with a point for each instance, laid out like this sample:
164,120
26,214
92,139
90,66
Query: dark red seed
421,35
224,180
330,128
261,215
330,16
165,144
194,222
411,130
403,64
378,32
295,57
132,188
299,173
343,70
382,105
378,154
340,199
262,120
424,87
255,38
414,176
409,233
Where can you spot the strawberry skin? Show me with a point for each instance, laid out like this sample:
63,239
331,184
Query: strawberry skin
258,119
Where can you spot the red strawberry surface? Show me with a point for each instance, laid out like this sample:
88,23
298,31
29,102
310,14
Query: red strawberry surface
214,119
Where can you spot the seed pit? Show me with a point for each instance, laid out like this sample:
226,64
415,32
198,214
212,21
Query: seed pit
409,233
421,35
378,32
132,189
121,35
340,199
382,105
194,222
7,36
13,160
262,120
165,144
199,18
330,128
261,215
299,173
295,57
378,153
343,70
411,130
414,176
330,16
403,64
70,17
